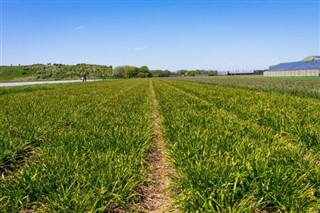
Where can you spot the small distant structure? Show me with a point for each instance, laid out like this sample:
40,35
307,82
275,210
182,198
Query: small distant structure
223,73
238,72
309,66
242,72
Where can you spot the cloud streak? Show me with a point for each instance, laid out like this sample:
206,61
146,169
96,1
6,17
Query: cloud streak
137,49
79,28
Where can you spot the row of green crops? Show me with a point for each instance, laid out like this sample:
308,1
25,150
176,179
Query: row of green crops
303,87
237,150
80,148
83,147
294,117
27,119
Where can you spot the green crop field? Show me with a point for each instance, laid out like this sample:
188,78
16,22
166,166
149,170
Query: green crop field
233,146
300,86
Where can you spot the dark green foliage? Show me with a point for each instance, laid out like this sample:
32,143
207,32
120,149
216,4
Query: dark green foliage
161,73
131,72
197,72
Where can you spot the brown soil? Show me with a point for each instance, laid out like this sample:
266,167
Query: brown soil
17,162
157,194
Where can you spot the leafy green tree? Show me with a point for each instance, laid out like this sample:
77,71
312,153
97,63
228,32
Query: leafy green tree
120,71
132,72
143,72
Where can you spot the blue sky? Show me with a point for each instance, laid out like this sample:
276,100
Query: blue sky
222,35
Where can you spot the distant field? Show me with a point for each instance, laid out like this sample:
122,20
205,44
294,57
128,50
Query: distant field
86,147
300,86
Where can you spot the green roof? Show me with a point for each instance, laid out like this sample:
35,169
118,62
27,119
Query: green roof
312,58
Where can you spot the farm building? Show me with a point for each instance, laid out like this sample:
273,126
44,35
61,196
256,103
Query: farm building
310,66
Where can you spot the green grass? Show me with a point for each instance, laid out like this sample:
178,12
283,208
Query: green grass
8,73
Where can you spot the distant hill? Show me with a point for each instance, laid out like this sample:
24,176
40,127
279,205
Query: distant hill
8,73
53,72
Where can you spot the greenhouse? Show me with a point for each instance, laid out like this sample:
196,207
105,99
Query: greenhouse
310,66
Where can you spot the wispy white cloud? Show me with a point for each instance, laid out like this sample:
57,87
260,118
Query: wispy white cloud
140,48
79,27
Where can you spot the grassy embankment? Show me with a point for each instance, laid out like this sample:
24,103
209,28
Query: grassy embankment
16,73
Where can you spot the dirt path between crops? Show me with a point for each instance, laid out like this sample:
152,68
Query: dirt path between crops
157,196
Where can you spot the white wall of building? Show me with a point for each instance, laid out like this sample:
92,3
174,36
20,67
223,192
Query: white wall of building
292,73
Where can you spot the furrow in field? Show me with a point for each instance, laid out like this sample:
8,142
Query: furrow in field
157,194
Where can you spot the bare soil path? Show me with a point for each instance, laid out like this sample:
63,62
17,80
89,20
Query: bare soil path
157,194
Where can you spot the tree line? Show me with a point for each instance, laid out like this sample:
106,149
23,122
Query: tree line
62,71
144,72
